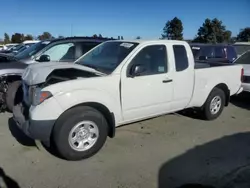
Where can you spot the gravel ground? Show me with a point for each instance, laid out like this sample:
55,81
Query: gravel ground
163,152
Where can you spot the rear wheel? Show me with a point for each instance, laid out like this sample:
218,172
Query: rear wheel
80,133
214,104
13,94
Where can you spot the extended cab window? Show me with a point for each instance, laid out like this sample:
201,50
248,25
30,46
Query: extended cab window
181,59
153,59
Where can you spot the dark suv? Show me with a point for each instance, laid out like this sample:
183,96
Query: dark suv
221,52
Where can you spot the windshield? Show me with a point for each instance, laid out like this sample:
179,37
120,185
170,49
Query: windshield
244,59
32,50
107,56
17,47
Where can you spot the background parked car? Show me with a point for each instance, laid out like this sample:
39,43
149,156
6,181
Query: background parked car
241,47
8,46
15,49
244,60
28,43
24,55
219,52
1,47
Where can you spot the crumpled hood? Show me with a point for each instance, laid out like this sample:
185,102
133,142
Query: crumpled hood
37,73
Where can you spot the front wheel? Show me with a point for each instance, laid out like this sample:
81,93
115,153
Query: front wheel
80,133
214,104
13,94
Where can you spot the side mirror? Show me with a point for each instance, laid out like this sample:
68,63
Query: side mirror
203,58
44,58
137,70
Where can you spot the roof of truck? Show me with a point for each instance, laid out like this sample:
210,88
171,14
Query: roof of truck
152,41
209,44
97,39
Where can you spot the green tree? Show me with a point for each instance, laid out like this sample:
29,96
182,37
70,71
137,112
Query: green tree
138,37
244,35
213,31
95,36
17,38
28,37
122,38
173,29
6,38
45,36
60,36
100,36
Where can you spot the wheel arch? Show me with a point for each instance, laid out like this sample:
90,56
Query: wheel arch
104,110
225,89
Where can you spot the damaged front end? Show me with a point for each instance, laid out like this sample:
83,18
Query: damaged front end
32,83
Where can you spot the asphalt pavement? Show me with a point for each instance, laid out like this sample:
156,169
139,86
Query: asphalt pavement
165,152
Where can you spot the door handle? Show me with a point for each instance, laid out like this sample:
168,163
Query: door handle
167,81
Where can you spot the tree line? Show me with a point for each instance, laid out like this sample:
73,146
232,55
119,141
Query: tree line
20,37
211,31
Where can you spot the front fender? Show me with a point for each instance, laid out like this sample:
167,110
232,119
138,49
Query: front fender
70,99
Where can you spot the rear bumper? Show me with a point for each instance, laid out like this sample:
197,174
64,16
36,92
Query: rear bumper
246,87
239,90
35,129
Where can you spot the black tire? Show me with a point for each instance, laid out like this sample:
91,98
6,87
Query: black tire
216,92
13,94
67,121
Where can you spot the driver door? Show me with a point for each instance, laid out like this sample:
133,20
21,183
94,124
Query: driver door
149,92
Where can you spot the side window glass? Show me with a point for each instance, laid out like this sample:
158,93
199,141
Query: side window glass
152,59
219,52
87,46
231,53
61,52
181,59
207,51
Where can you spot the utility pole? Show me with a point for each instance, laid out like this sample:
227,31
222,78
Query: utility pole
71,30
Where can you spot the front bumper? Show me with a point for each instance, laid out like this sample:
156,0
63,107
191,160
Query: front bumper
35,129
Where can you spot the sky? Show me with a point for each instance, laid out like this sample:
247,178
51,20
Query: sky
127,18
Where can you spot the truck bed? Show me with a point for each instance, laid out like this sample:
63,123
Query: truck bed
207,64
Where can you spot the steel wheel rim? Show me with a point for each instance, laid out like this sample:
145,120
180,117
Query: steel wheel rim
215,105
83,135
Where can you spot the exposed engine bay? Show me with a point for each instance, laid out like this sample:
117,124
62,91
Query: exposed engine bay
56,76
60,75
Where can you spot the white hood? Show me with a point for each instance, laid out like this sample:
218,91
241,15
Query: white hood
37,73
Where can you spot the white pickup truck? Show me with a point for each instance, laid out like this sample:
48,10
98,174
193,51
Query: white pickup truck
76,106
